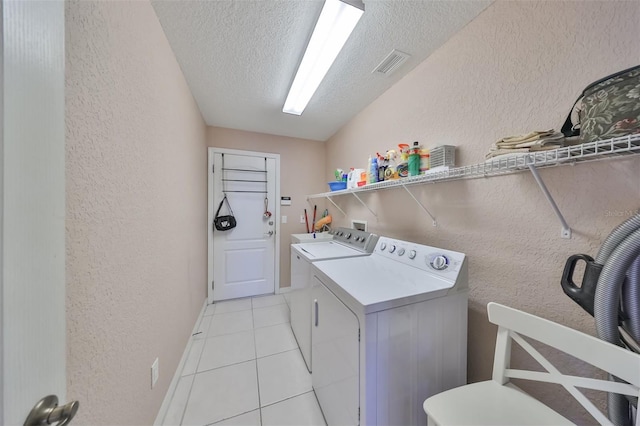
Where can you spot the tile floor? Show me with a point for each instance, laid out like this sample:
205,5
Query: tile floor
244,368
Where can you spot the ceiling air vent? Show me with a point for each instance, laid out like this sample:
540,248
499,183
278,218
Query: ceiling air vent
392,62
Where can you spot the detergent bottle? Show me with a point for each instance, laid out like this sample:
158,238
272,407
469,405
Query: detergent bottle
351,181
368,171
414,160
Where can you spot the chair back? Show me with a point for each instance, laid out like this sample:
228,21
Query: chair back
619,362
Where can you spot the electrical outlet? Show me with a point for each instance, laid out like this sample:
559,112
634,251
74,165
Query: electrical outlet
154,373
301,218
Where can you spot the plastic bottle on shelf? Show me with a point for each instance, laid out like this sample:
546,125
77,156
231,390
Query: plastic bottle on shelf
391,172
373,170
403,166
414,160
424,160
382,166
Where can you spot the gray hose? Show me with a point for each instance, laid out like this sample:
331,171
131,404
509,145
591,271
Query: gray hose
616,236
607,301
631,300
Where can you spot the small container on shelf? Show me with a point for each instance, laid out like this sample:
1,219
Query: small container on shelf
337,185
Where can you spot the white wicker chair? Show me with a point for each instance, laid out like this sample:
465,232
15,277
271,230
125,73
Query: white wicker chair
498,402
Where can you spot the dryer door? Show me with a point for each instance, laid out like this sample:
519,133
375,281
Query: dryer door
335,351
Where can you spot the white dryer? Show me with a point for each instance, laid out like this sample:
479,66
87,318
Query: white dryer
390,330
346,243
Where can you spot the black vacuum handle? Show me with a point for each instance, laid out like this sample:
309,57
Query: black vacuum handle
585,294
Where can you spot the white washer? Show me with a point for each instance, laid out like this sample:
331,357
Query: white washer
390,330
314,237
346,243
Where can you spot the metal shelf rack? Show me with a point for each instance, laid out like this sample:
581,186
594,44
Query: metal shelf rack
615,148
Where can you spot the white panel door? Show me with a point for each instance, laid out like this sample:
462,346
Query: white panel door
244,258
335,351
32,195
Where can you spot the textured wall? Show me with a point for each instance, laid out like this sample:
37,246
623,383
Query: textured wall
136,211
301,173
518,67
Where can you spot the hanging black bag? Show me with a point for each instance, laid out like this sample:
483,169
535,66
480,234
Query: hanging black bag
224,223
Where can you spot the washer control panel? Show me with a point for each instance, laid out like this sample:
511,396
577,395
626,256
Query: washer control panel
361,240
439,261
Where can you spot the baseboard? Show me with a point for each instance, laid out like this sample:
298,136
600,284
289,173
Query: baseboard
281,290
176,376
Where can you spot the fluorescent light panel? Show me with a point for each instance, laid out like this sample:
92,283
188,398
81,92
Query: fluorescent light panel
335,24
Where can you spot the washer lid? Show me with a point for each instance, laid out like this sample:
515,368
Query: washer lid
377,283
325,250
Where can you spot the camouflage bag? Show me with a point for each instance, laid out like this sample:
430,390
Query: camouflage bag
608,108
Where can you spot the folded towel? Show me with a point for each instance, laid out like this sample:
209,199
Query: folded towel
539,140
555,139
511,141
549,147
498,152
494,155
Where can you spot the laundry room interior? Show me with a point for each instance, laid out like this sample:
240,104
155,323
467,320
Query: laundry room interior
161,97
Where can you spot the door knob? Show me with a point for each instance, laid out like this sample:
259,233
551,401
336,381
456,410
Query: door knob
270,233
48,412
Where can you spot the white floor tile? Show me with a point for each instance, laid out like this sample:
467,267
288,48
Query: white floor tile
274,339
232,306
203,328
282,376
272,315
210,309
248,419
226,350
178,403
191,364
264,301
222,393
232,322
302,410
287,297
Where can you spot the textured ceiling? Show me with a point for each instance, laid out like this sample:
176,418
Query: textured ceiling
239,57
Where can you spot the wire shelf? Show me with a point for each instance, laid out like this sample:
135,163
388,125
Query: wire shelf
621,147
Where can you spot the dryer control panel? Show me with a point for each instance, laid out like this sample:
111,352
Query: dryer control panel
440,261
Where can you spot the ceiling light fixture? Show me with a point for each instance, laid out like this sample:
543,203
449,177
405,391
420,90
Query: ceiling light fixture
335,24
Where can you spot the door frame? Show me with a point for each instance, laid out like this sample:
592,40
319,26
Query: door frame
211,151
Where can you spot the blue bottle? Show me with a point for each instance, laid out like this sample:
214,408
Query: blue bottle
373,171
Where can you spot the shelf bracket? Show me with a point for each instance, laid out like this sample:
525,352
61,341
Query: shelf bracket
566,230
420,204
335,205
364,204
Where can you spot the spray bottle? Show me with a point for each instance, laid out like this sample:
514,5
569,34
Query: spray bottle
403,166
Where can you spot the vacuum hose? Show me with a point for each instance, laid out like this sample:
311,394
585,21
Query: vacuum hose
615,238
619,280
